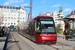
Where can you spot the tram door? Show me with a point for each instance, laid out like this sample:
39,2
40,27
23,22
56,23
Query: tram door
30,29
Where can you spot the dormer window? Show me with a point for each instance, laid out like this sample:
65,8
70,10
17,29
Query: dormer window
72,16
73,12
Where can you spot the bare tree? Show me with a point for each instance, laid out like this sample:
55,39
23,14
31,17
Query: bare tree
1,18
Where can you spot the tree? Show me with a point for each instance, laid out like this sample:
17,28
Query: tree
59,29
1,18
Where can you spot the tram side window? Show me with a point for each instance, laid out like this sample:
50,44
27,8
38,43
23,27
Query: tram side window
32,26
37,27
18,29
28,28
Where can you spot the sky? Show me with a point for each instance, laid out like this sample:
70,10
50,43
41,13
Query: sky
43,6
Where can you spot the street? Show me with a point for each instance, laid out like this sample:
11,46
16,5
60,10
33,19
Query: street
18,42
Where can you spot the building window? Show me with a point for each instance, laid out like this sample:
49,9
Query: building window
11,10
11,20
1,9
11,23
4,9
2,23
23,18
18,17
9,13
5,23
14,23
5,19
18,11
14,10
14,14
14,18
8,17
8,23
11,17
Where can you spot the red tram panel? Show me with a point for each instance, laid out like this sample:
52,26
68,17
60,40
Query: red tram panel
41,29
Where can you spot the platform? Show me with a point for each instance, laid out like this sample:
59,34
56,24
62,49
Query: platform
2,42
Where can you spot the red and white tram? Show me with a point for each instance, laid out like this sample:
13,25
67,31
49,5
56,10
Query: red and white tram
41,29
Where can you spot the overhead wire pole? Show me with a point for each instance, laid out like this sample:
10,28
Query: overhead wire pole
30,9
30,13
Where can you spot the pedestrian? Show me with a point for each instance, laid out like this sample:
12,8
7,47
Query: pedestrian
1,31
5,30
9,30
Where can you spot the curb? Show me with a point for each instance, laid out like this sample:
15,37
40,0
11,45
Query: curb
4,48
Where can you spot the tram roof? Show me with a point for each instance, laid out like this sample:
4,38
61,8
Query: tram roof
43,17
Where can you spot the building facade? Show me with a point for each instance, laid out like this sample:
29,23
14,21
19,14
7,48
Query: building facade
71,23
57,16
72,15
12,15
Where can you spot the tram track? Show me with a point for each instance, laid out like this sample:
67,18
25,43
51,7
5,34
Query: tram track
22,45
46,46
42,46
36,46
11,43
54,47
16,42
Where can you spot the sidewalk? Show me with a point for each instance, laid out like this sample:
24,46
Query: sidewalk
67,42
2,42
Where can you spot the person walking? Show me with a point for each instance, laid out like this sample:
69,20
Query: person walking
5,30
9,30
1,31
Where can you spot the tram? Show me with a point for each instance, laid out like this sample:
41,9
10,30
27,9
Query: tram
40,29
69,31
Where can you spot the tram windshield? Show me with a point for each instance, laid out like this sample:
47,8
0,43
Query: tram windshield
45,26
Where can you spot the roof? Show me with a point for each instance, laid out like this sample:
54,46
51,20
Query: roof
66,19
43,17
11,7
73,12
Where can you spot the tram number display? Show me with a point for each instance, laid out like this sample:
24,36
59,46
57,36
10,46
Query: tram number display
45,19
